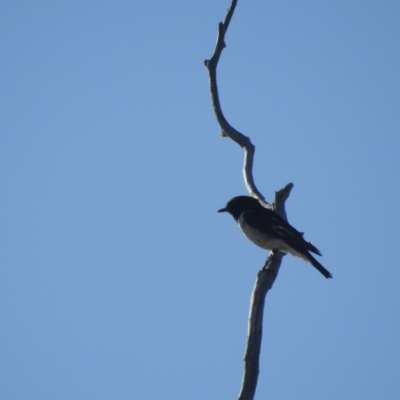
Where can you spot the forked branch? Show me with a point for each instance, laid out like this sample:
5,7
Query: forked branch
266,276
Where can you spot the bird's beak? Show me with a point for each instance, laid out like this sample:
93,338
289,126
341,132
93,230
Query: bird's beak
222,210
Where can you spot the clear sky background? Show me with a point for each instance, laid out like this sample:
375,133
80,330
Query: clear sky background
118,278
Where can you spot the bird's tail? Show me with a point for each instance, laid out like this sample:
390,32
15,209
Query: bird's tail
318,266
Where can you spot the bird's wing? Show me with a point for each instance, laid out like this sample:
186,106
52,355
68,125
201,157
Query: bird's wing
272,224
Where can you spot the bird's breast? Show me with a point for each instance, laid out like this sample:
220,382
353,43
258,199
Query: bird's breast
259,238
264,240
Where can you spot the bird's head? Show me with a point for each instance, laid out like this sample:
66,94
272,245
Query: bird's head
238,205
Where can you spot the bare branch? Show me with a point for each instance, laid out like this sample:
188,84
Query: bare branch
265,279
227,129
266,276
280,198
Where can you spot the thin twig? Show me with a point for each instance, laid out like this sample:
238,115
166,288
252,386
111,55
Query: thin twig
227,129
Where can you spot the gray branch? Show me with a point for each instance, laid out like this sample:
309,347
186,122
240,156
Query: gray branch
268,273
265,279
226,128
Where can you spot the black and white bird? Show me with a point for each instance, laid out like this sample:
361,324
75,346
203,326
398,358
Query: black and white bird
268,230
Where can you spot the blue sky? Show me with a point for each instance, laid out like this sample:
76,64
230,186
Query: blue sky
118,278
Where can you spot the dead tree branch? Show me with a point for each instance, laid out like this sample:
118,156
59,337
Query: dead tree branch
266,276
265,279
226,129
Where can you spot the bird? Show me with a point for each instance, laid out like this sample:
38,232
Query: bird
270,231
